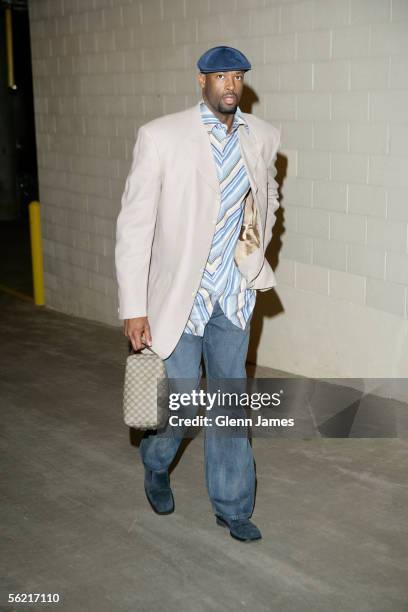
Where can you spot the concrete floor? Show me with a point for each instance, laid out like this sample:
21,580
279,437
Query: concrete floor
333,512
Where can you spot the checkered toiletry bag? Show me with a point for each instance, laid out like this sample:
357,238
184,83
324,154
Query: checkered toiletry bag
144,392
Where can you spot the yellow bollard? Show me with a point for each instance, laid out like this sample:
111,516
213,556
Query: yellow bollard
36,253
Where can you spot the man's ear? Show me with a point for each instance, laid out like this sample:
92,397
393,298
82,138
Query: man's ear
201,79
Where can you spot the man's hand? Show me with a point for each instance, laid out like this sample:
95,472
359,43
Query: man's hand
138,332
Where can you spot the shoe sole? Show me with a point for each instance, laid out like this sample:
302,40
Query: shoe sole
155,509
223,523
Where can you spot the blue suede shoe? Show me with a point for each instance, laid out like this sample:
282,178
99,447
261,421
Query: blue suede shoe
240,529
158,491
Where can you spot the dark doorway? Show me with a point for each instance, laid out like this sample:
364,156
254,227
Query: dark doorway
18,158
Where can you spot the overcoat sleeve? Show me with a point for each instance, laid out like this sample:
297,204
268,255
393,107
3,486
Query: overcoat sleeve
135,227
273,196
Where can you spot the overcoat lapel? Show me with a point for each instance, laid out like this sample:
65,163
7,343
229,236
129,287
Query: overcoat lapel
250,153
199,150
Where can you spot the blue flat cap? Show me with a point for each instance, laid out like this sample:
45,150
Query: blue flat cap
223,59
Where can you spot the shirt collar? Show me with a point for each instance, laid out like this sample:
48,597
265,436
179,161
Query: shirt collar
209,119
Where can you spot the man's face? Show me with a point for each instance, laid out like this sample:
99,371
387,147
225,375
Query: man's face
222,90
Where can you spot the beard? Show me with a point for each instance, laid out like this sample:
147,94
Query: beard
227,110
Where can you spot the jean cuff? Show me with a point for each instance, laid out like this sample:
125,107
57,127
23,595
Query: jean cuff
234,517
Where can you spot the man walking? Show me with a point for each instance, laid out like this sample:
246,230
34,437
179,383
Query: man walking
197,215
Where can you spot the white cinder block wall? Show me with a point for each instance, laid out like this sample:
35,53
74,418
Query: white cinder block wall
331,74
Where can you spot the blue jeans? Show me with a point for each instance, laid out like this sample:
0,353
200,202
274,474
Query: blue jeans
229,462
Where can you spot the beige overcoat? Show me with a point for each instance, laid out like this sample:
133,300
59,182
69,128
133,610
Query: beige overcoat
168,216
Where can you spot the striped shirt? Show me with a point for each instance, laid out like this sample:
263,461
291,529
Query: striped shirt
221,278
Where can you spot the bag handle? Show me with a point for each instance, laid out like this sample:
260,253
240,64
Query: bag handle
132,351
